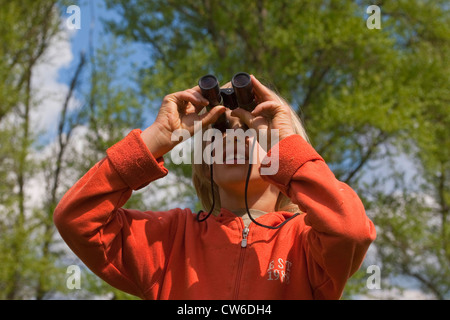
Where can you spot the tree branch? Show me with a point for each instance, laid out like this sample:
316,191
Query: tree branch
382,137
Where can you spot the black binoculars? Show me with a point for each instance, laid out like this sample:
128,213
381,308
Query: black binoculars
240,95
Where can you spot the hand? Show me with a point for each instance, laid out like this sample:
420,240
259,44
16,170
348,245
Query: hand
270,113
178,111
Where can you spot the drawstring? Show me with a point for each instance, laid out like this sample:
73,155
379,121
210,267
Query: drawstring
250,165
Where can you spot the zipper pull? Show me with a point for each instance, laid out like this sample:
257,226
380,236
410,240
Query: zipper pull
244,237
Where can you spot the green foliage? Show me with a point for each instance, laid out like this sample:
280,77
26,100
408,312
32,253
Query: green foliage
414,240
26,30
365,95
111,109
33,21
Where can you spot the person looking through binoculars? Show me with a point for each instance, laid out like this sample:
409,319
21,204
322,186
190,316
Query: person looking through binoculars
297,233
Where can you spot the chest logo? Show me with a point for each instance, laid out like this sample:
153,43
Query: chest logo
279,270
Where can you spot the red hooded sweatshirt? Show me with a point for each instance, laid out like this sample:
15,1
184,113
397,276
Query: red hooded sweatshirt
170,255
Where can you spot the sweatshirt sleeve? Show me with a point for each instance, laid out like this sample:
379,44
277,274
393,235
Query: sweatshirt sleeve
338,232
118,245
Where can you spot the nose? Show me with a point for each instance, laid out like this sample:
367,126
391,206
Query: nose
234,122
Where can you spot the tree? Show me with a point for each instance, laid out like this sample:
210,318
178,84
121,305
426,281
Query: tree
33,260
414,220
364,95
51,168
26,31
369,99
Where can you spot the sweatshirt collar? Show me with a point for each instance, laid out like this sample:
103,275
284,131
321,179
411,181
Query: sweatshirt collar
271,218
245,217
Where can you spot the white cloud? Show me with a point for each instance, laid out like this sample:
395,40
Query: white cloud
48,99
48,92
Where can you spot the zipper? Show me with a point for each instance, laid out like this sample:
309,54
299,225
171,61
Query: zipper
244,237
241,261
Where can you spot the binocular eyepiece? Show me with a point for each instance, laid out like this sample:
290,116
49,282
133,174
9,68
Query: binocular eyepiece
240,95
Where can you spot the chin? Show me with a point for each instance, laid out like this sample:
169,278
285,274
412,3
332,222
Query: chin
235,174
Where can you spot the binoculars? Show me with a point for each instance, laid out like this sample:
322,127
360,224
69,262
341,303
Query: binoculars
240,95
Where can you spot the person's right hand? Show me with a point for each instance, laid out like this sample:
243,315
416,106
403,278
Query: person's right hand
178,111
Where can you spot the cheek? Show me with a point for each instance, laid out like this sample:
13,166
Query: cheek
258,155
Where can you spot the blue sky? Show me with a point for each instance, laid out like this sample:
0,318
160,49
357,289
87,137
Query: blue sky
91,36
80,38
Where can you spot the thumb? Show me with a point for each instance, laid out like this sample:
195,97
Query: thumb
266,109
211,116
245,116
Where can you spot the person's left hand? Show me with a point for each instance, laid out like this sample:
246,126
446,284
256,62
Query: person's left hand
270,113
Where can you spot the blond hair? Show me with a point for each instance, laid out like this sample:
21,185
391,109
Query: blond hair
202,183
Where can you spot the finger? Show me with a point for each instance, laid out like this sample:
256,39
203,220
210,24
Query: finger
196,91
191,96
187,102
245,116
211,116
266,109
261,91
190,108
